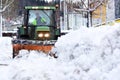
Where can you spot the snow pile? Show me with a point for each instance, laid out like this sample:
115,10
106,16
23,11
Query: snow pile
5,48
85,54
95,51
37,66
88,40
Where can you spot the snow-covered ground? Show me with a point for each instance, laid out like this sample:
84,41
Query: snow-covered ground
5,49
85,54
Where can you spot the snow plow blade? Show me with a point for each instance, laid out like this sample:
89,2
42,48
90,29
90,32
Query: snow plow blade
44,46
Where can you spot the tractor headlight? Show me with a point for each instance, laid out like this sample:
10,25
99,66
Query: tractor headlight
46,35
40,35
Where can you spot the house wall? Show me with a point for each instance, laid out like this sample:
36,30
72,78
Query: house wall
117,8
110,10
106,12
99,15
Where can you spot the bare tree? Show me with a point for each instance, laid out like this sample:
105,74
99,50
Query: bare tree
12,11
4,4
88,6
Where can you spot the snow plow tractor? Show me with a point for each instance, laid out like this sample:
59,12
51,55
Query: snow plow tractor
39,31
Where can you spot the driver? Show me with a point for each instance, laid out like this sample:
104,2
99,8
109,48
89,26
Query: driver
39,20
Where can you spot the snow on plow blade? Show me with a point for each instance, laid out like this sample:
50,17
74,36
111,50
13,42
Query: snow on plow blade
44,46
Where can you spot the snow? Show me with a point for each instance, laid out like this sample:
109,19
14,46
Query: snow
85,54
5,48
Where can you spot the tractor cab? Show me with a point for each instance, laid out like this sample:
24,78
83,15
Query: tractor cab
39,23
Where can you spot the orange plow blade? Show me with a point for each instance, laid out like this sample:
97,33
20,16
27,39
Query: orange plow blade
44,48
18,47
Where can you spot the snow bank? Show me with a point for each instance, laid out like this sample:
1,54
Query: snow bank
87,40
95,51
85,54
5,48
37,66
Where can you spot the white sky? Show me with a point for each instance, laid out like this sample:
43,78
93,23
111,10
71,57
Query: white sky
85,54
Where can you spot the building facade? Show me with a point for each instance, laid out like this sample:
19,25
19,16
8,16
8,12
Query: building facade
117,8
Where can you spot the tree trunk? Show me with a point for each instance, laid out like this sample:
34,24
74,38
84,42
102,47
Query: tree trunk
0,24
89,19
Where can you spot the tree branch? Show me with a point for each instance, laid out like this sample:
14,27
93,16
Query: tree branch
6,2
91,9
83,3
6,6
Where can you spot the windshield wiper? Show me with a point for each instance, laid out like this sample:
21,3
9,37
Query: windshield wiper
46,14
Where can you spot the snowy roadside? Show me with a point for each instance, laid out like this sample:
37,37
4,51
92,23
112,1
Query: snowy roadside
85,54
5,49
95,51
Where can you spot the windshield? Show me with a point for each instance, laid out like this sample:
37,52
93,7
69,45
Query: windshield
41,17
